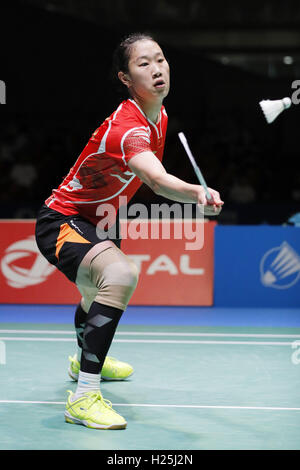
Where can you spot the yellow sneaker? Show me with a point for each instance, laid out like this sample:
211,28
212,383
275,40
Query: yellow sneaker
112,369
93,411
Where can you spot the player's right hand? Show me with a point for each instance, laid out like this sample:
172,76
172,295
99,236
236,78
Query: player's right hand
211,206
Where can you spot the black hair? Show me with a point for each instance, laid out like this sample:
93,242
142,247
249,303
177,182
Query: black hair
121,57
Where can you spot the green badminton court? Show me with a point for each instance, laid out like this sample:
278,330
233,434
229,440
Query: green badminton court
198,387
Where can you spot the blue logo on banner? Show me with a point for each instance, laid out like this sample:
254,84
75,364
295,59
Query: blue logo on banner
280,267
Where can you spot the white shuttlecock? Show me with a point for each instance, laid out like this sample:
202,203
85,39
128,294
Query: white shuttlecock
272,108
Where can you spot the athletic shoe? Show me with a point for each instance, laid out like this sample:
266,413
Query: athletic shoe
112,369
93,411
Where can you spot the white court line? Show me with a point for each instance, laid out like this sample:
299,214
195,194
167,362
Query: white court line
28,338
219,335
148,405
153,341
159,333
50,332
251,343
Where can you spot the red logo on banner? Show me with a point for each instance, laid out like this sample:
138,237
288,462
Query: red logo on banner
170,274
26,277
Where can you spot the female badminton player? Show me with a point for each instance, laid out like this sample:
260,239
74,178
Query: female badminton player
124,152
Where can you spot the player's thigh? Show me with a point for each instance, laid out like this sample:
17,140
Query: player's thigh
66,240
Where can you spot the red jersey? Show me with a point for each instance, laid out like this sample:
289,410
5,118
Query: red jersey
101,173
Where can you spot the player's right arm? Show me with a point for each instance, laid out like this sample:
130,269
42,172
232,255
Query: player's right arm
151,171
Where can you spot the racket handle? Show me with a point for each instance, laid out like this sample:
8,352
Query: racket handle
194,164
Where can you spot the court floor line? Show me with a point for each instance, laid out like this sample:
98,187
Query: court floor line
158,333
153,341
155,405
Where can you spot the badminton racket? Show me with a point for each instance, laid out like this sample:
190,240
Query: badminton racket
195,166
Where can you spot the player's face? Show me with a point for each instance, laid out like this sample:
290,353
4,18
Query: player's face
149,73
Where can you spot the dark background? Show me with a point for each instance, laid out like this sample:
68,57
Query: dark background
55,60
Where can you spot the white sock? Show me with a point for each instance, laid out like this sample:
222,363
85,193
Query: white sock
87,383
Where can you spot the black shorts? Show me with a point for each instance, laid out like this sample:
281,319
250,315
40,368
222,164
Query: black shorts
64,240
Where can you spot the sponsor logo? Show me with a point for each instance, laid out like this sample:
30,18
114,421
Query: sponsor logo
18,276
280,267
164,263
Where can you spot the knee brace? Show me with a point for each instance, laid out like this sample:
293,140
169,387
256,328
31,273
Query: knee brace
115,275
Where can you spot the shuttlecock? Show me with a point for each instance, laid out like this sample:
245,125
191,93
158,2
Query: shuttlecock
272,108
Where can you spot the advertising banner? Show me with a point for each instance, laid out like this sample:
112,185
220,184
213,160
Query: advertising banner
257,266
176,268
